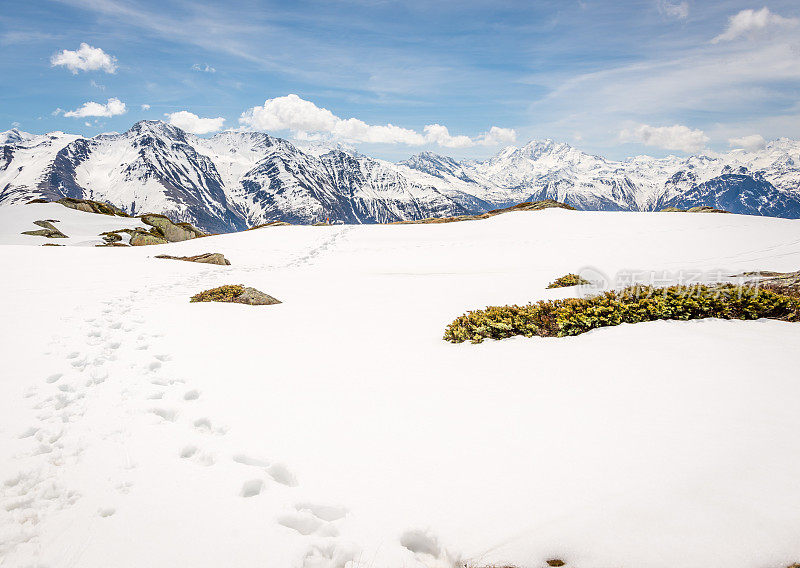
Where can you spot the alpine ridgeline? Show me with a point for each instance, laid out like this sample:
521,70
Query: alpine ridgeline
235,180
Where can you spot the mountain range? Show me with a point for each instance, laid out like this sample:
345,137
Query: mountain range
237,179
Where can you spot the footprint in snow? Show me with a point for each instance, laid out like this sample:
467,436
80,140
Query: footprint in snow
252,488
193,394
247,460
304,523
328,513
193,452
54,377
281,474
168,414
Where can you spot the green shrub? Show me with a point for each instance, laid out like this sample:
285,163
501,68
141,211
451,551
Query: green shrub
568,280
227,293
573,316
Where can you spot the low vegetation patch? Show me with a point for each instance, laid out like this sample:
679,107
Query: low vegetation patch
227,293
568,280
573,316
235,294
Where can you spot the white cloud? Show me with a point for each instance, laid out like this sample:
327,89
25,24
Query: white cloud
97,85
749,21
677,10
145,107
303,117
438,134
190,122
497,136
204,68
677,137
113,107
85,58
751,143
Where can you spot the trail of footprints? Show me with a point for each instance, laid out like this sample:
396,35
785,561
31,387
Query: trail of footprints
55,440
140,380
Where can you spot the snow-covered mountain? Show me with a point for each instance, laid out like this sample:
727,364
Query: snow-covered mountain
766,182
234,180
225,183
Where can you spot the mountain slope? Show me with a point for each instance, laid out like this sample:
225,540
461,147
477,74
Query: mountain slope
551,170
226,183
233,180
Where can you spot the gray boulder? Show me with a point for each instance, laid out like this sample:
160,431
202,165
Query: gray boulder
48,230
206,258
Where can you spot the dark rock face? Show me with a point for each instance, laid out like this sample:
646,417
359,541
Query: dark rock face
236,180
744,193
191,187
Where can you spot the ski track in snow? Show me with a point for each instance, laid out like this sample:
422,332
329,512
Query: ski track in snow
139,384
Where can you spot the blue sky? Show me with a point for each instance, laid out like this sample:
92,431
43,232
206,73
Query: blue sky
614,78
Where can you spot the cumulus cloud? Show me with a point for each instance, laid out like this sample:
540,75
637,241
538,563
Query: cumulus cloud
304,117
438,134
190,122
677,137
679,11
85,58
145,106
749,21
204,68
751,143
113,107
498,136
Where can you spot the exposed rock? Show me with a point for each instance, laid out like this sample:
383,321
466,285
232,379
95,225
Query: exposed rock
140,237
52,245
172,232
255,297
48,230
555,562
526,206
533,206
270,224
89,206
698,209
162,231
206,258
236,294
111,237
781,282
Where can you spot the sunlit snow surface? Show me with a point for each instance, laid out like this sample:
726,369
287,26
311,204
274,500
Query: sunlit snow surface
137,429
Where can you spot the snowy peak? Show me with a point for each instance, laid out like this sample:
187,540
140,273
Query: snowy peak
437,166
14,136
154,128
237,179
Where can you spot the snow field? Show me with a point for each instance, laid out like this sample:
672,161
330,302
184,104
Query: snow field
337,428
